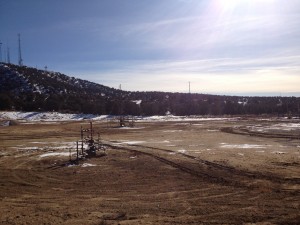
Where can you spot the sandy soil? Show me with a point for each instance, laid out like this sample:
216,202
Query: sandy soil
202,172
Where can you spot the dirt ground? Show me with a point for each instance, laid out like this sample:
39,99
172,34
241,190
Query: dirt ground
236,171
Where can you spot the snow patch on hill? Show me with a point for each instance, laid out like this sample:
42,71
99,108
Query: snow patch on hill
47,116
55,116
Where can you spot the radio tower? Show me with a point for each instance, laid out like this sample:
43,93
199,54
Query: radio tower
20,54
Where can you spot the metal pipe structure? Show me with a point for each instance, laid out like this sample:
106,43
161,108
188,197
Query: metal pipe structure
93,145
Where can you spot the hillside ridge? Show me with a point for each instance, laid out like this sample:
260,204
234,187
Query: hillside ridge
29,89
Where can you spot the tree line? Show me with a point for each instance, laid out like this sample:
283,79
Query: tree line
176,104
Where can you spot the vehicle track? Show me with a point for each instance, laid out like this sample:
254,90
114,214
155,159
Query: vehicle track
23,168
244,131
249,174
213,172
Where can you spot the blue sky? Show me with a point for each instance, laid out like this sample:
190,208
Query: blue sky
236,47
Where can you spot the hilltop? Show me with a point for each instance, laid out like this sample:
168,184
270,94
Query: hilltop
29,89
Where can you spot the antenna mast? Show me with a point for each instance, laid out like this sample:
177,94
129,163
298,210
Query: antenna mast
0,52
20,54
8,56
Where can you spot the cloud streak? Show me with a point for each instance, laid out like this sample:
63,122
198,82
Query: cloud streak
248,45
228,75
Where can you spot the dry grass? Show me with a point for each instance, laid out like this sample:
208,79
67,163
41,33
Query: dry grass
161,173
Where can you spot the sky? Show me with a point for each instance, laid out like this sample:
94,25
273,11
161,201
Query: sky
227,47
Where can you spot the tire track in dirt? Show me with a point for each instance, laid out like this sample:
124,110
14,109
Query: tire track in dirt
23,168
169,162
16,170
203,175
213,172
249,174
244,131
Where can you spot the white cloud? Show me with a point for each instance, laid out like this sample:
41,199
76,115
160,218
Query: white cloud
230,75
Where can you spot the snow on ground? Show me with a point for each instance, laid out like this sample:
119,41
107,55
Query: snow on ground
55,116
185,120
48,154
130,128
286,126
88,165
48,149
245,146
47,116
138,102
28,148
133,142
182,151
172,131
279,126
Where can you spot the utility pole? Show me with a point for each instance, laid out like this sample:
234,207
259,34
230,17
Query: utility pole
0,52
8,56
20,53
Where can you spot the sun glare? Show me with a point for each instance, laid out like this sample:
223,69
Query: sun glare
229,3
235,3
